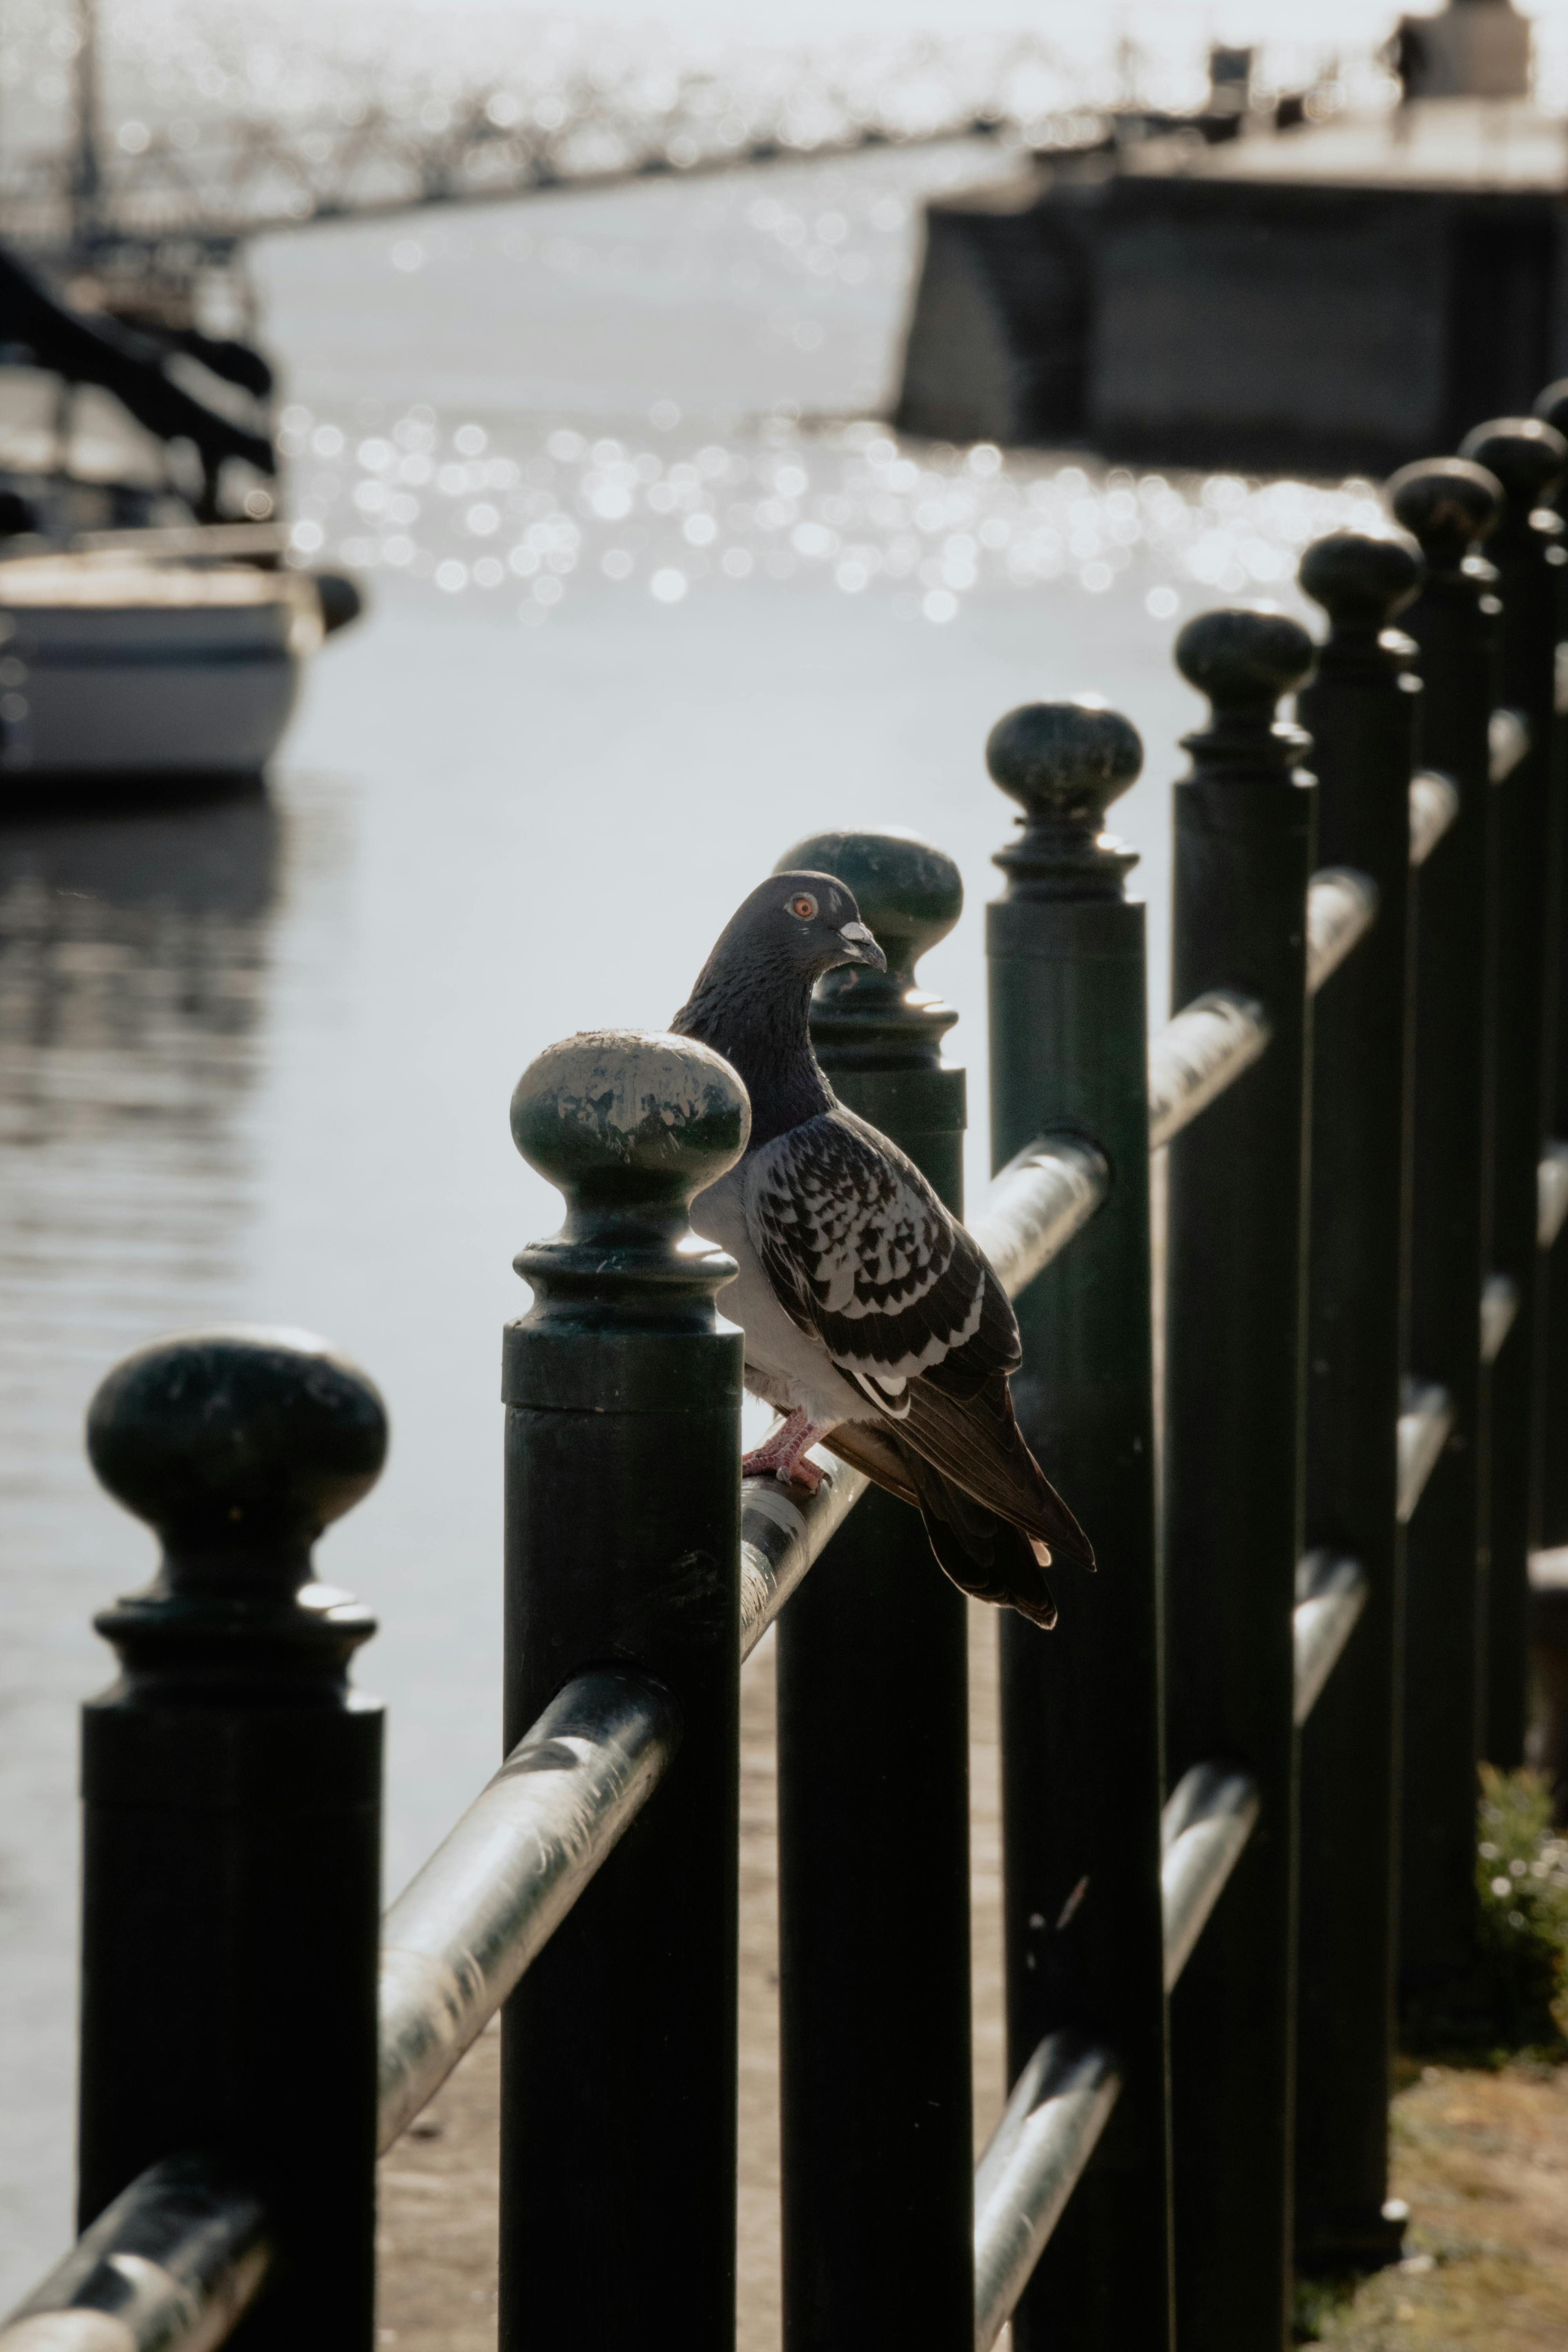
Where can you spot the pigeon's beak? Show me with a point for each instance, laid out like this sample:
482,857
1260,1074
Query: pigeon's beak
862,947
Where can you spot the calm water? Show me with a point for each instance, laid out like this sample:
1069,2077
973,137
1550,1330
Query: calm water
255,1059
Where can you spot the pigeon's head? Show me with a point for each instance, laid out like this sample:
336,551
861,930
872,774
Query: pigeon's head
798,926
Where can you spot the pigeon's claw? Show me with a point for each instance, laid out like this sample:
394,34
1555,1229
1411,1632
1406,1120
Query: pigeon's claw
782,1454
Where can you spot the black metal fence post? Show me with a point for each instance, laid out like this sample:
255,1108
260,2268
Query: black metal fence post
1360,711
1082,1728
1245,829
1547,1614
231,1853
874,1991
1529,459
1450,506
623,1396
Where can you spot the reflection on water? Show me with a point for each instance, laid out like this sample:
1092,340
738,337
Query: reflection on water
133,959
133,956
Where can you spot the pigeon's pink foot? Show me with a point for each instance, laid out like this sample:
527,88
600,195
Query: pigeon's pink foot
782,1454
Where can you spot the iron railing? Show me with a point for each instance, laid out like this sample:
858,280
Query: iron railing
1207,1925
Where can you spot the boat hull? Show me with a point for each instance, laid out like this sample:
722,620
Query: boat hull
186,677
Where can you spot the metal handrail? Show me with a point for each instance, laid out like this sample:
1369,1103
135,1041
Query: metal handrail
1425,1421
176,2260
1341,907
1550,1194
1507,741
1200,1052
487,1901
1434,806
1054,2114
470,1924
1330,1593
1206,1048
1499,1305
1062,2100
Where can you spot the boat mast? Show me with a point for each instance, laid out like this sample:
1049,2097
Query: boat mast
86,172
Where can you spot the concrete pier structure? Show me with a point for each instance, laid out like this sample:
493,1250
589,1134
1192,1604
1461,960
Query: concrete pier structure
1341,297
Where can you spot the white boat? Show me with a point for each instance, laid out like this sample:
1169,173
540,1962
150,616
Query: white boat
120,663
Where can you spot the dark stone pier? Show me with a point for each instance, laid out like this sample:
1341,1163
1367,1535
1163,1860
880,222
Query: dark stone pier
1344,296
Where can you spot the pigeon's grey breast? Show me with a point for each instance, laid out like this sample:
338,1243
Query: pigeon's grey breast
786,1366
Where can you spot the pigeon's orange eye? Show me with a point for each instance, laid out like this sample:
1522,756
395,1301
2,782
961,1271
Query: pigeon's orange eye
805,907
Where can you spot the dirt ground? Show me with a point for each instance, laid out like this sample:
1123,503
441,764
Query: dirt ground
1481,2160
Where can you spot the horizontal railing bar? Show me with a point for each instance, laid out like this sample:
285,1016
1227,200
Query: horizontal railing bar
1201,1051
1549,1570
1330,1593
783,1531
1059,2108
1434,805
1060,2102
1426,1417
1499,1305
1209,1818
1341,907
1507,741
1550,1194
170,2266
1032,1208
467,1927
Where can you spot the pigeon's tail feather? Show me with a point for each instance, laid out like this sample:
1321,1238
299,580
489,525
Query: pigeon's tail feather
984,1553
977,1446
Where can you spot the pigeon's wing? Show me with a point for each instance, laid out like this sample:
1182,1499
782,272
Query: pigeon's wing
868,1261
865,1257
976,1444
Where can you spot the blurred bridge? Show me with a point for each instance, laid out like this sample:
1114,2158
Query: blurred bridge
214,182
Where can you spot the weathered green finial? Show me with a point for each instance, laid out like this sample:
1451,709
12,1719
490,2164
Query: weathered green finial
238,1446
911,895
1244,659
1359,579
1528,457
630,1127
1064,763
1448,505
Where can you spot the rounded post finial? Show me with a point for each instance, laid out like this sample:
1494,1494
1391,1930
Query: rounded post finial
1360,579
1244,659
1447,504
238,1441
629,1119
1064,763
630,1126
1528,457
1552,405
909,894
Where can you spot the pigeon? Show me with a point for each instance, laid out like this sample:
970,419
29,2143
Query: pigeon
873,1323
